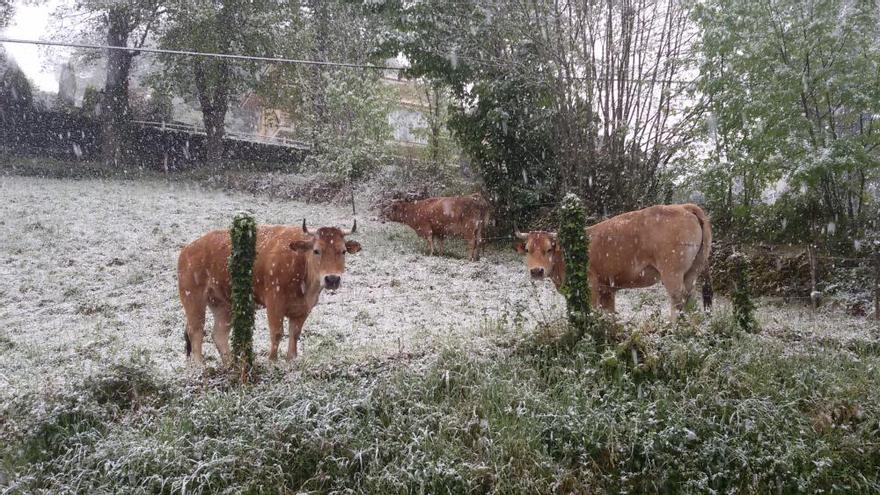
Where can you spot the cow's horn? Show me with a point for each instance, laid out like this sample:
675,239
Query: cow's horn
353,228
519,235
553,235
305,230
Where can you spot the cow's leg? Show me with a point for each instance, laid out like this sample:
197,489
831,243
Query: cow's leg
195,328
296,325
442,240
428,236
674,283
594,294
606,300
222,320
276,329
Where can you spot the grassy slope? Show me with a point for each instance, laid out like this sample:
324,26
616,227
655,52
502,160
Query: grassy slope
703,410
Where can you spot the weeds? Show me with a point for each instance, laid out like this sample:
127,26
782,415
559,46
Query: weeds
680,411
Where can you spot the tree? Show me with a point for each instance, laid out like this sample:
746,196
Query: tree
67,86
120,23
343,112
570,96
222,27
793,88
6,12
16,101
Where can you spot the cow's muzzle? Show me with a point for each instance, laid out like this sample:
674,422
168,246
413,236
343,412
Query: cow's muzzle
332,281
537,273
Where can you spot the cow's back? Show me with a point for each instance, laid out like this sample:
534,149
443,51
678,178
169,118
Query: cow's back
202,267
459,215
625,249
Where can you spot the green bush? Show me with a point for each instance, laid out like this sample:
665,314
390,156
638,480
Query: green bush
576,288
241,273
741,296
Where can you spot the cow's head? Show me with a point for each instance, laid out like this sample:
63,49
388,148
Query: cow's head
325,249
394,211
542,252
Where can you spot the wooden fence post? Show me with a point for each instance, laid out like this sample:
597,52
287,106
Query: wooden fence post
814,269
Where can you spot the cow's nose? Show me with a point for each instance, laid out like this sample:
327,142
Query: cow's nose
537,272
331,281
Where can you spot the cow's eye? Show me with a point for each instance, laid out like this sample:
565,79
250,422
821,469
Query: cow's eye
317,252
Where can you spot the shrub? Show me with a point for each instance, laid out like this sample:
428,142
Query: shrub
577,286
241,272
743,306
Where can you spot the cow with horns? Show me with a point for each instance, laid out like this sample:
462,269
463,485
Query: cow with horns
293,265
665,243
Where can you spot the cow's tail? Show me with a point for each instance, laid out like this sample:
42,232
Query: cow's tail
701,261
188,343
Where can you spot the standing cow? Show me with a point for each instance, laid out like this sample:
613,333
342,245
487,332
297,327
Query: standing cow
666,243
291,268
431,218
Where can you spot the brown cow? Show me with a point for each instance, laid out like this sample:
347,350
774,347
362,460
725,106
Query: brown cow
431,218
292,266
666,243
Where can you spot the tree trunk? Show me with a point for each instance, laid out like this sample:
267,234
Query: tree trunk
214,101
115,110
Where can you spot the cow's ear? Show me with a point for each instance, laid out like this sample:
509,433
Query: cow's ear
302,245
519,245
352,246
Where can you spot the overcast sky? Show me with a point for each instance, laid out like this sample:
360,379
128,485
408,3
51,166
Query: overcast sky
40,64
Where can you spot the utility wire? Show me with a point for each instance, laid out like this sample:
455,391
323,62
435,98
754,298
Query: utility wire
350,65
201,54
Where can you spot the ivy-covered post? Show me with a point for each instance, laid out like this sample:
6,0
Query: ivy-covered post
743,306
576,288
241,273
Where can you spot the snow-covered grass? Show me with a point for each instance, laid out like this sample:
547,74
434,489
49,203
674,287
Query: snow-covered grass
419,374
88,271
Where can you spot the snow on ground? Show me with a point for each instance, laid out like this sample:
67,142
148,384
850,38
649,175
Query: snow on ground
88,273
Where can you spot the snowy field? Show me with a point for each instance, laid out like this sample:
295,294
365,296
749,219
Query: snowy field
88,273
91,320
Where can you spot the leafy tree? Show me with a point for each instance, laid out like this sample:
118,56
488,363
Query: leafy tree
224,27
343,112
501,111
16,98
543,109
116,23
793,88
6,12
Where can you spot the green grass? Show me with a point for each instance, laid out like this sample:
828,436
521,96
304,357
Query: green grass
692,408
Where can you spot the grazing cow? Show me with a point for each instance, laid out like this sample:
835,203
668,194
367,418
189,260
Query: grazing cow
291,268
666,243
431,218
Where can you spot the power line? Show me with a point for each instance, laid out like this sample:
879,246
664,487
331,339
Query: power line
350,65
190,53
